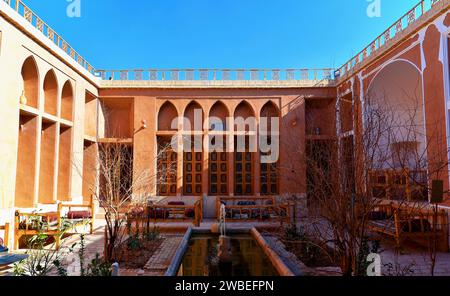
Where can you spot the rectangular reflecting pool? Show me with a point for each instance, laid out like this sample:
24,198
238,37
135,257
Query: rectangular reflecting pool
247,258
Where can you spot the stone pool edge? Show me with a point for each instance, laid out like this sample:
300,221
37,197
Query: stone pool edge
273,257
276,261
178,257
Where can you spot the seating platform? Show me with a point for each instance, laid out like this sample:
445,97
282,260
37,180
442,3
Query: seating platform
419,223
67,216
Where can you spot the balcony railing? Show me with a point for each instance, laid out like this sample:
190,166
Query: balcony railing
218,74
45,29
228,74
397,28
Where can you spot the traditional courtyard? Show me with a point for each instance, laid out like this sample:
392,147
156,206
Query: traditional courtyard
219,172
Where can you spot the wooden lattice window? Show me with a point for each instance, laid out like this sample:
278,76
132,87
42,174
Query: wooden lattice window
269,179
192,172
243,171
167,169
218,173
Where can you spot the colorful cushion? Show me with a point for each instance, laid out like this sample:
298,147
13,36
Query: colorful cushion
158,214
79,215
176,203
246,203
2,248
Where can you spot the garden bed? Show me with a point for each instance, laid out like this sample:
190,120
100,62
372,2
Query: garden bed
135,253
309,251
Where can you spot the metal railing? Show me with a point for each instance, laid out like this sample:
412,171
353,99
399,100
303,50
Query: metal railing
218,74
45,29
398,27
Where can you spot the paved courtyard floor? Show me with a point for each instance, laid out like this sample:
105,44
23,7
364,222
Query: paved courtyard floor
411,261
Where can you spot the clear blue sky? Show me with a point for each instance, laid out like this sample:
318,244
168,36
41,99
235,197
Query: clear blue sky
117,34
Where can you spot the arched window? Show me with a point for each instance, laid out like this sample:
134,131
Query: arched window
269,181
193,151
243,154
218,156
167,157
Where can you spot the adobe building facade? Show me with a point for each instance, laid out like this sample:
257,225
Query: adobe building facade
56,109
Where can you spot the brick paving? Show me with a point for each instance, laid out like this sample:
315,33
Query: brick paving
94,244
161,259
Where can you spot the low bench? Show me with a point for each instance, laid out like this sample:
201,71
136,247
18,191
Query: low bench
253,209
50,223
405,222
171,211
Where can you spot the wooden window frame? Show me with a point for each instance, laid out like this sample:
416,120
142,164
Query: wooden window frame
244,162
168,158
194,179
272,178
220,161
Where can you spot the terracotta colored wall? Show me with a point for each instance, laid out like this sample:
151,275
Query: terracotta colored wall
90,115
26,162
118,118
47,167
290,102
65,163
424,49
89,169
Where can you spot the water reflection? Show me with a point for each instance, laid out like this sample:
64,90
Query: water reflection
248,259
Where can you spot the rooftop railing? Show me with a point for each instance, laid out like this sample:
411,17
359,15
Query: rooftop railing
228,74
45,29
218,74
398,27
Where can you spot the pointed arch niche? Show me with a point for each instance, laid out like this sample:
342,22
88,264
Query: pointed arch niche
30,76
67,101
51,93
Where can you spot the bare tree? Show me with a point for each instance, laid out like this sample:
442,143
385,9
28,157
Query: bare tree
341,200
119,187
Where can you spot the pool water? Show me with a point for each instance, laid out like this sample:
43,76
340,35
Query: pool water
248,259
